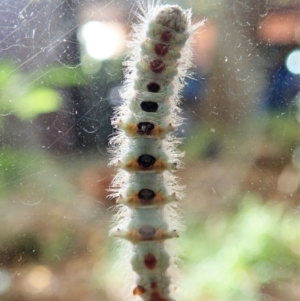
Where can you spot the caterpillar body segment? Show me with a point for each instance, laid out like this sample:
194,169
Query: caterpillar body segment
144,148
134,128
145,163
152,194
146,234
160,87
146,155
142,109
167,36
159,67
144,198
151,259
165,51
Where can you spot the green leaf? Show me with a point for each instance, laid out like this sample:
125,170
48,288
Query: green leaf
6,72
61,77
37,101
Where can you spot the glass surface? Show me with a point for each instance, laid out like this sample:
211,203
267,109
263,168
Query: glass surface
60,73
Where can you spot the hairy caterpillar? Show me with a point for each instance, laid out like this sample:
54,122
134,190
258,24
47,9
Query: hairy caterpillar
144,148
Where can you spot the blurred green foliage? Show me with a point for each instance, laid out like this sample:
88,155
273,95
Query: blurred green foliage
23,99
283,130
237,256
200,141
32,174
29,94
13,164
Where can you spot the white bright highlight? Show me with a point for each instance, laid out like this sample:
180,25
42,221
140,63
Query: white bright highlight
102,40
293,62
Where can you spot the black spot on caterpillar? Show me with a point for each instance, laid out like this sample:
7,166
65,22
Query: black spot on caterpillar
146,161
153,87
149,106
145,128
146,195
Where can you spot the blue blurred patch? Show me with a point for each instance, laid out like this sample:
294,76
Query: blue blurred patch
195,88
282,87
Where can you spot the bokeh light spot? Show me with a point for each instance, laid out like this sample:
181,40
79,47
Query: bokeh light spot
38,279
102,40
293,61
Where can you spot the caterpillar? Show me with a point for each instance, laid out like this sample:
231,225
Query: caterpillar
144,146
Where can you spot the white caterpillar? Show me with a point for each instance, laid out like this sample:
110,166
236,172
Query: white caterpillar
144,148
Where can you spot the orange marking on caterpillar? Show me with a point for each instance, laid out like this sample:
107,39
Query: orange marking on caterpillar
139,290
146,233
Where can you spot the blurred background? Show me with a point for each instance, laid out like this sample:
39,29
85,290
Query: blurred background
60,73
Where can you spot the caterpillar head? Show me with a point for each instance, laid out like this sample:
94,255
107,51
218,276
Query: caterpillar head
172,17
